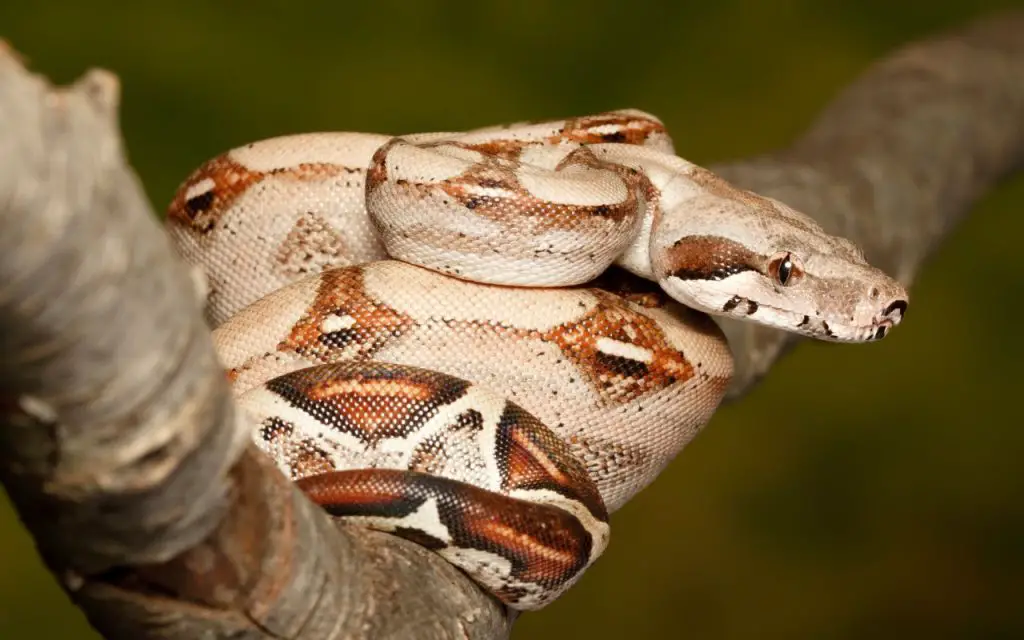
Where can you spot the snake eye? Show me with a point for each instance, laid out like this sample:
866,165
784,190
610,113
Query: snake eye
785,269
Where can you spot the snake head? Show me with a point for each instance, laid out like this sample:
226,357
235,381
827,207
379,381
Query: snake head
758,260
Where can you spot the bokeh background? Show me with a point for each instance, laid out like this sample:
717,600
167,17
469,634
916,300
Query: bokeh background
861,491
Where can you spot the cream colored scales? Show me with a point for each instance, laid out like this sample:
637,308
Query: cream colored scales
412,320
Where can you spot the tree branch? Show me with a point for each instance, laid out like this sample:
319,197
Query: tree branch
897,159
121,448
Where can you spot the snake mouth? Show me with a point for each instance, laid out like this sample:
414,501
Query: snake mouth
881,329
876,331
849,333
880,326
829,329
892,315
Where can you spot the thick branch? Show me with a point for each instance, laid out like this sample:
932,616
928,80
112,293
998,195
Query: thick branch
120,445
897,159
121,448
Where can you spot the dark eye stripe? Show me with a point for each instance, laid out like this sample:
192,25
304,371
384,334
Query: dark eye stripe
710,258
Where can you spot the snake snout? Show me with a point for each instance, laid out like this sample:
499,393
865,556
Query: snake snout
895,311
892,315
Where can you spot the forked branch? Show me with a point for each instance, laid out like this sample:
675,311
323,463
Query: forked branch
121,448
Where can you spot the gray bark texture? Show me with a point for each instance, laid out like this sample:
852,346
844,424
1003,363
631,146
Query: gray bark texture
123,452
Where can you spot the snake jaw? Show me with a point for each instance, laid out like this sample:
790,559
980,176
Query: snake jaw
831,328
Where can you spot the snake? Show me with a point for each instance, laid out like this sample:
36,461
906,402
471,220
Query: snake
487,341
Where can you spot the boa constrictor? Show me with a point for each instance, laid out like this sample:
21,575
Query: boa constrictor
487,341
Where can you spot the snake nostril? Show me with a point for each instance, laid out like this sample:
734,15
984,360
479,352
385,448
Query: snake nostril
896,305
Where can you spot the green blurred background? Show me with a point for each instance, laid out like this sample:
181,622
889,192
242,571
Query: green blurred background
861,491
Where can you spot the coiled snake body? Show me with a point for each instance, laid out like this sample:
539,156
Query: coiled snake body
487,341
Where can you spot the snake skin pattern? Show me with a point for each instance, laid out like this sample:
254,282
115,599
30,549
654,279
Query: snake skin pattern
488,341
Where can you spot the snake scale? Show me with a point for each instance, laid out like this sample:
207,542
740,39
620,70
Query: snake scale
487,341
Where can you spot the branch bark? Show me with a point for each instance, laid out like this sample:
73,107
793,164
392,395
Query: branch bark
120,446
897,159
123,453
